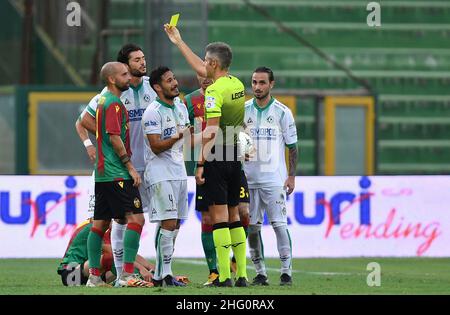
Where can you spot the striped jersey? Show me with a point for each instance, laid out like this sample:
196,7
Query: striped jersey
135,99
111,119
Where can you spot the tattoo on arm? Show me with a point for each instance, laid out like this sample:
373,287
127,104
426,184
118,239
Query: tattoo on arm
292,161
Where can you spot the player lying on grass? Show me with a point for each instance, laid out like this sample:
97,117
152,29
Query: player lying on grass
74,266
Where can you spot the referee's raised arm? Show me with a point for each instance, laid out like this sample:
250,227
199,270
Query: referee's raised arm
197,64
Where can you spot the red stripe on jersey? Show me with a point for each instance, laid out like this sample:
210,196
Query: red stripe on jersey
113,119
198,103
127,132
101,157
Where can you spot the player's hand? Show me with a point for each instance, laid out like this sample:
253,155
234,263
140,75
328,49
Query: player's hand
91,151
173,33
250,155
199,179
135,176
289,184
146,274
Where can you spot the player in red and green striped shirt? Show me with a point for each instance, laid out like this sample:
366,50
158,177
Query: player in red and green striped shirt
116,179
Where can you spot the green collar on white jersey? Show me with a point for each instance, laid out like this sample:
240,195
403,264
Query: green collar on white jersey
265,107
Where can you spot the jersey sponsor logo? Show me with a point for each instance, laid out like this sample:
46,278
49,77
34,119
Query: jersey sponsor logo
210,102
168,131
150,123
263,132
136,114
237,95
147,98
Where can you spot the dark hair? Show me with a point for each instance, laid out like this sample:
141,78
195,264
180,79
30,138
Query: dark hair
222,52
265,70
156,74
124,53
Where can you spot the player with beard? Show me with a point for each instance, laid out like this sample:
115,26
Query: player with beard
164,122
272,128
135,99
116,179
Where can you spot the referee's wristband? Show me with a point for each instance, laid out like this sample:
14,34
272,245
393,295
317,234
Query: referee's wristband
125,159
87,142
200,165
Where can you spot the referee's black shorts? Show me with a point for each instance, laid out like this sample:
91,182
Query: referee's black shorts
114,199
201,200
223,179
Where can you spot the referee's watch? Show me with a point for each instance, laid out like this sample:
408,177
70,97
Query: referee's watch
200,165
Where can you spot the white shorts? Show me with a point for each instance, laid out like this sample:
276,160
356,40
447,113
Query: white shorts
145,198
271,200
168,200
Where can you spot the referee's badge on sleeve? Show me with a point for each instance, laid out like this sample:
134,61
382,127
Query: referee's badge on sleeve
210,102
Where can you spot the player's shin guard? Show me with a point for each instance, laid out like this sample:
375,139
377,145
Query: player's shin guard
131,246
239,246
164,251
284,246
117,235
208,247
94,247
222,242
256,248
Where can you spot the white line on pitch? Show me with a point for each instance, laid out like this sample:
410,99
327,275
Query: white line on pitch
200,262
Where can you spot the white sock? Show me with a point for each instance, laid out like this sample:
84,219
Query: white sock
164,251
175,237
117,234
284,248
256,248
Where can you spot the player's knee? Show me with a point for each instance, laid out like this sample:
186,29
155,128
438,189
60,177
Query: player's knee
206,218
136,219
121,221
243,209
278,224
169,225
254,228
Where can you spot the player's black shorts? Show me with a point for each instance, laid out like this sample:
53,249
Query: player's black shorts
73,276
201,201
114,199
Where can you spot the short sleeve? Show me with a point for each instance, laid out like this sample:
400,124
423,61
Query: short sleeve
112,123
289,129
91,108
151,122
213,103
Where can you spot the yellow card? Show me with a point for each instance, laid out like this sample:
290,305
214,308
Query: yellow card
174,19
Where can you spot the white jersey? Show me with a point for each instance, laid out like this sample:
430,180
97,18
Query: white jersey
164,119
271,128
135,100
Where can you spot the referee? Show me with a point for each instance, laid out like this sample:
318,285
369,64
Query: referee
219,170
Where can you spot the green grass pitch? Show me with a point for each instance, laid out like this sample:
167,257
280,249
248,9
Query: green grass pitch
310,276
